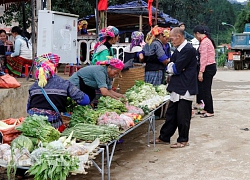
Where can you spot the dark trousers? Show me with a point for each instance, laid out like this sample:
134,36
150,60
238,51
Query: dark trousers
199,96
178,115
208,75
87,90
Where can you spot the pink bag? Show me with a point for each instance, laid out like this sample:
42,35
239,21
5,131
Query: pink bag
7,81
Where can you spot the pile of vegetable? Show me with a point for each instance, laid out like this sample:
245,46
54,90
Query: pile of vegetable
70,105
54,161
54,164
89,132
145,95
161,90
122,121
111,105
85,114
39,128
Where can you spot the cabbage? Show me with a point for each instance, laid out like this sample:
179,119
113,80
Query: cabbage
55,145
22,142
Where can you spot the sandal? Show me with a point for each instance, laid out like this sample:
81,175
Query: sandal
179,145
201,112
158,141
206,115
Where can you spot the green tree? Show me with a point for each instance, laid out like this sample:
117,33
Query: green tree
14,13
243,18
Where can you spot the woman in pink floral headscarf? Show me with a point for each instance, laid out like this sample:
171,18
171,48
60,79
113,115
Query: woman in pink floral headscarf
103,48
99,76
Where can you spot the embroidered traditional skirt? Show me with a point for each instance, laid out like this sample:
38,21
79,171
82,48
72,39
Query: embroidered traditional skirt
54,118
15,64
154,77
2,63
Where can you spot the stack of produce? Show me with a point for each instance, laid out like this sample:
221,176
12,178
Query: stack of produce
145,95
39,128
122,121
89,132
54,161
111,105
134,110
83,114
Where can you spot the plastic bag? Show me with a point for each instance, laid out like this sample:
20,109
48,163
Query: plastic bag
7,81
11,133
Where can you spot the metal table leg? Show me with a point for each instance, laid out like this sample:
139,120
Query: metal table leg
101,170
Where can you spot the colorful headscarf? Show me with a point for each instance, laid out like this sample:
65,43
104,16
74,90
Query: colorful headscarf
114,62
155,32
45,67
81,23
109,31
137,38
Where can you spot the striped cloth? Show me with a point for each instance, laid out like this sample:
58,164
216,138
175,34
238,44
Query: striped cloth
154,77
54,118
15,64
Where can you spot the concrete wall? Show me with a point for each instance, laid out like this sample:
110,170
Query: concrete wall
13,101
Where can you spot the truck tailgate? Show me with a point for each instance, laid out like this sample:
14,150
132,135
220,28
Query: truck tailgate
240,41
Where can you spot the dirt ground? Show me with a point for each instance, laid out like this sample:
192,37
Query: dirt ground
219,149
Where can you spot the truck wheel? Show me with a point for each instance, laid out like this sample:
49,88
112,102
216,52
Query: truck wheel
236,67
241,66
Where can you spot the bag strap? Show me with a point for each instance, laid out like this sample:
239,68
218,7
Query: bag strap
50,102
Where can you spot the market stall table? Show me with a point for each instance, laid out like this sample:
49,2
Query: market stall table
99,168
150,118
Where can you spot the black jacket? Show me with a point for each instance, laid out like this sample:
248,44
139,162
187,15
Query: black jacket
185,63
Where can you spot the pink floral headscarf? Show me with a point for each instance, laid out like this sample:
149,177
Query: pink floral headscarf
114,62
45,67
109,31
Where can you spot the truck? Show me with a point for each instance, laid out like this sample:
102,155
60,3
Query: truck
240,49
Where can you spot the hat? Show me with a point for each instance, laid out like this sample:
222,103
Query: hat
45,67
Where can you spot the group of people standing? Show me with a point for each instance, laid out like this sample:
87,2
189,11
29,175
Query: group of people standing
14,56
186,68
191,73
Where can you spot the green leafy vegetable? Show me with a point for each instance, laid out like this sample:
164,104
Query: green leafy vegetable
111,104
38,127
22,142
89,132
54,165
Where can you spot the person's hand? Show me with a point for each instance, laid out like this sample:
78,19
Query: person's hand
141,57
200,76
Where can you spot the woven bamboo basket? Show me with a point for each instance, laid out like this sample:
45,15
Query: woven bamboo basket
128,77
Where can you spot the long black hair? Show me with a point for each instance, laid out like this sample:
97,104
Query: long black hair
204,30
19,31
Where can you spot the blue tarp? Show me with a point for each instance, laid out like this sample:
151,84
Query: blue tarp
138,7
